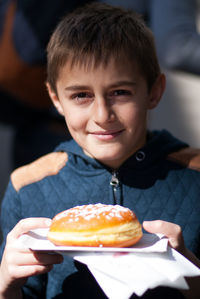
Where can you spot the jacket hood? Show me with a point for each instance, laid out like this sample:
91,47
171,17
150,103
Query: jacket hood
159,145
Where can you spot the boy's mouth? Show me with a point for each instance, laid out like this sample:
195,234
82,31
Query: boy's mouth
106,135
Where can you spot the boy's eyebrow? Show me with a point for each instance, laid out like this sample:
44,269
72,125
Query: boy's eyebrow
116,84
119,83
76,87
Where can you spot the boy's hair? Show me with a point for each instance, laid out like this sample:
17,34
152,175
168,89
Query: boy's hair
94,33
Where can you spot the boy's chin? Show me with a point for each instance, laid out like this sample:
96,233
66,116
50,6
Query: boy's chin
112,163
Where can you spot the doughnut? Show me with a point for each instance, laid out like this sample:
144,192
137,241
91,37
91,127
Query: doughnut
95,225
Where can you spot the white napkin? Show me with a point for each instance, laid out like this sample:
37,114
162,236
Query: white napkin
121,275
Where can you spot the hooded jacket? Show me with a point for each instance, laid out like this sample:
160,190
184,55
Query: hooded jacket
160,181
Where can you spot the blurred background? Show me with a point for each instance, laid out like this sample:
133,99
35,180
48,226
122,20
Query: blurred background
30,128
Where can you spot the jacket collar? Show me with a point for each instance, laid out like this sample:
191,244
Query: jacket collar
159,145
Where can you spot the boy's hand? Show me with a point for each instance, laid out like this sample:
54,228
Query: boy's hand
18,263
173,233
170,230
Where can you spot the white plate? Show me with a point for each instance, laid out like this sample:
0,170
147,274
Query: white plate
36,240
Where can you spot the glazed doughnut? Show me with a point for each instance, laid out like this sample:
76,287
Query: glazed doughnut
95,225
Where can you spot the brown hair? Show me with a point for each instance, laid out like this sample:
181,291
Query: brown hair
94,33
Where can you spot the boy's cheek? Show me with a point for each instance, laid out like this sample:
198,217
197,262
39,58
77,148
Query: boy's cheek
75,123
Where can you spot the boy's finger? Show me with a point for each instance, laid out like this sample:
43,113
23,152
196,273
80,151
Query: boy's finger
26,271
25,225
36,258
168,229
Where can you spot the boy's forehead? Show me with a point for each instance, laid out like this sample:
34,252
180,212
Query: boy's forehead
90,65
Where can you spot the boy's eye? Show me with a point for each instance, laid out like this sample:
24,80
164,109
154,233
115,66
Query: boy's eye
120,92
82,96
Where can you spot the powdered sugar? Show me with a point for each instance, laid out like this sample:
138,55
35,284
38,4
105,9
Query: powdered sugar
91,211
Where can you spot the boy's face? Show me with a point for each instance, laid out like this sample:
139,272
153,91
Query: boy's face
105,108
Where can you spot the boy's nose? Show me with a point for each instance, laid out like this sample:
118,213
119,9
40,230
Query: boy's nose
102,111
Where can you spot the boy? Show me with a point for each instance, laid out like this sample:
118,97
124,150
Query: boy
103,77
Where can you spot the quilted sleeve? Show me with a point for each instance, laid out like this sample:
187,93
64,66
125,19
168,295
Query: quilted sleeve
10,215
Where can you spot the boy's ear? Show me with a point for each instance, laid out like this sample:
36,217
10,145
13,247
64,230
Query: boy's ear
54,99
157,91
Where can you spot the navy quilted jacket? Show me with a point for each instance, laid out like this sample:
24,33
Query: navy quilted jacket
160,181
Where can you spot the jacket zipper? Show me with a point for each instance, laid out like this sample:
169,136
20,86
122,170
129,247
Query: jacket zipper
114,182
